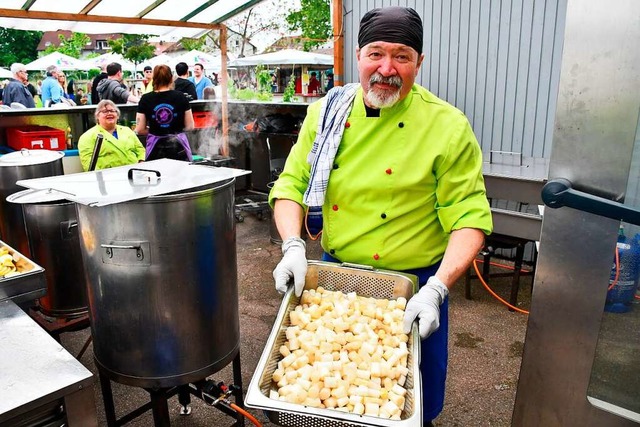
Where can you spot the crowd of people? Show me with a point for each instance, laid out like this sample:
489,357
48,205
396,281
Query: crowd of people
163,112
56,90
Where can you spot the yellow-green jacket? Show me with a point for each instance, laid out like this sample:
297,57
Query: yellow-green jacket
124,150
400,182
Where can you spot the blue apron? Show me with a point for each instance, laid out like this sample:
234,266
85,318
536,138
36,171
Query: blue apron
434,351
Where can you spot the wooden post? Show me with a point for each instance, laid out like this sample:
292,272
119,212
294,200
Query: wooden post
223,83
338,43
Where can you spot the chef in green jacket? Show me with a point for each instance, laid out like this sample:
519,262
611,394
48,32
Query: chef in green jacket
120,145
398,175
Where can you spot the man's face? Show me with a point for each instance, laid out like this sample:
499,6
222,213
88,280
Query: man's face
387,72
197,71
22,76
148,74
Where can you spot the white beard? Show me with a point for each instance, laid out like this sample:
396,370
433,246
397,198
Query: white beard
382,99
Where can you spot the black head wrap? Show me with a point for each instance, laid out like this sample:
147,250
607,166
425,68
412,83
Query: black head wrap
391,24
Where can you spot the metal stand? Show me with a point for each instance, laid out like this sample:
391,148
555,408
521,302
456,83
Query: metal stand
58,325
158,403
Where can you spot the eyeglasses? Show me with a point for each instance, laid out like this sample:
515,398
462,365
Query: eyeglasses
108,112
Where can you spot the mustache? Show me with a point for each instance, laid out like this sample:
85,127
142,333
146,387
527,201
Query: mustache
379,78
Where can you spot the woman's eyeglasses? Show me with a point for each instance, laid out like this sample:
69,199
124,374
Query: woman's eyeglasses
108,112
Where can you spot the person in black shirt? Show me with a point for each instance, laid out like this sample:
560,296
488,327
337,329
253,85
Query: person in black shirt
95,98
182,84
167,114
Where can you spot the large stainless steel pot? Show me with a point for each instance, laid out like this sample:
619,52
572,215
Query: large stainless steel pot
24,164
52,232
162,285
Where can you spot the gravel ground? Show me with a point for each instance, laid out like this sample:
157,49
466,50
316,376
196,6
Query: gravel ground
485,343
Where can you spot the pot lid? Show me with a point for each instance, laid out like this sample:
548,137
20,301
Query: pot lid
132,182
26,157
35,196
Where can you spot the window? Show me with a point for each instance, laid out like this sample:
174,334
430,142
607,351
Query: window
102,45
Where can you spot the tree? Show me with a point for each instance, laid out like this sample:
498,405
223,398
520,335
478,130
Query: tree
18,46
134,47
265,18
193,44
71,45
314,20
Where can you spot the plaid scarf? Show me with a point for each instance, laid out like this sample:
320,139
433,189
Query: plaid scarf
335,110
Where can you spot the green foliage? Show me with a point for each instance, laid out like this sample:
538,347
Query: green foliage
263,77
290,90
193,44
18,46
246,94
314,20
71,45
134,47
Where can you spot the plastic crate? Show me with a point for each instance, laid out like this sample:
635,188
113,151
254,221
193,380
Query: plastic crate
204,119
36,137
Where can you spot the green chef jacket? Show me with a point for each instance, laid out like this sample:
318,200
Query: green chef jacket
400,182
125,150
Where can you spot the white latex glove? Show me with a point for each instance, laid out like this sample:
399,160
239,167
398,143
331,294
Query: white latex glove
425,305
293,265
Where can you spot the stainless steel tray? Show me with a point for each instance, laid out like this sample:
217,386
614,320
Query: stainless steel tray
29,285
346,278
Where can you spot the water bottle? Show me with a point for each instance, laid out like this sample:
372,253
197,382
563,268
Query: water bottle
622,289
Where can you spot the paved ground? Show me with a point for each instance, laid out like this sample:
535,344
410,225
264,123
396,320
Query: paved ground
486,342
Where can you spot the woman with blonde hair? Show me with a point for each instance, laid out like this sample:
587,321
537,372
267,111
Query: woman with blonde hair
163,115
107,144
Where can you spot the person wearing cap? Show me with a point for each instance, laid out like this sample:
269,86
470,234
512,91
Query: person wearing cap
397,173
147,82
16,91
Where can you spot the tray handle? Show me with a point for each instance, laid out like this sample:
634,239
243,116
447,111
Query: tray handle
357,266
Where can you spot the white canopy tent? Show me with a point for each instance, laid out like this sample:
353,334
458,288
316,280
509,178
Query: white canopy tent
60,60
210,62
284,57
5,74
162,59
108,58
292,57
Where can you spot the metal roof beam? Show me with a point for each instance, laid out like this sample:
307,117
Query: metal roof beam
149,8
89,7
234,12
27,5
199,9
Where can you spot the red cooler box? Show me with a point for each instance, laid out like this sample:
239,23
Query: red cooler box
35,137
204,119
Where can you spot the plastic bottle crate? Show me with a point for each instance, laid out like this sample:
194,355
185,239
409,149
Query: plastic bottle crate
35,137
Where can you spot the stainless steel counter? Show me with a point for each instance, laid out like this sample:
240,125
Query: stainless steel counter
36,372
520,182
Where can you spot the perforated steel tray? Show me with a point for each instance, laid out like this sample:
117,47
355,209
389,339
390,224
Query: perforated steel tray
346,278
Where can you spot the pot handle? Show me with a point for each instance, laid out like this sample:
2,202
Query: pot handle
66,229
148,182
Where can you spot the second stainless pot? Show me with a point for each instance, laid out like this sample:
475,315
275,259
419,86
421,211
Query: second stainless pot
52,231
19,165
